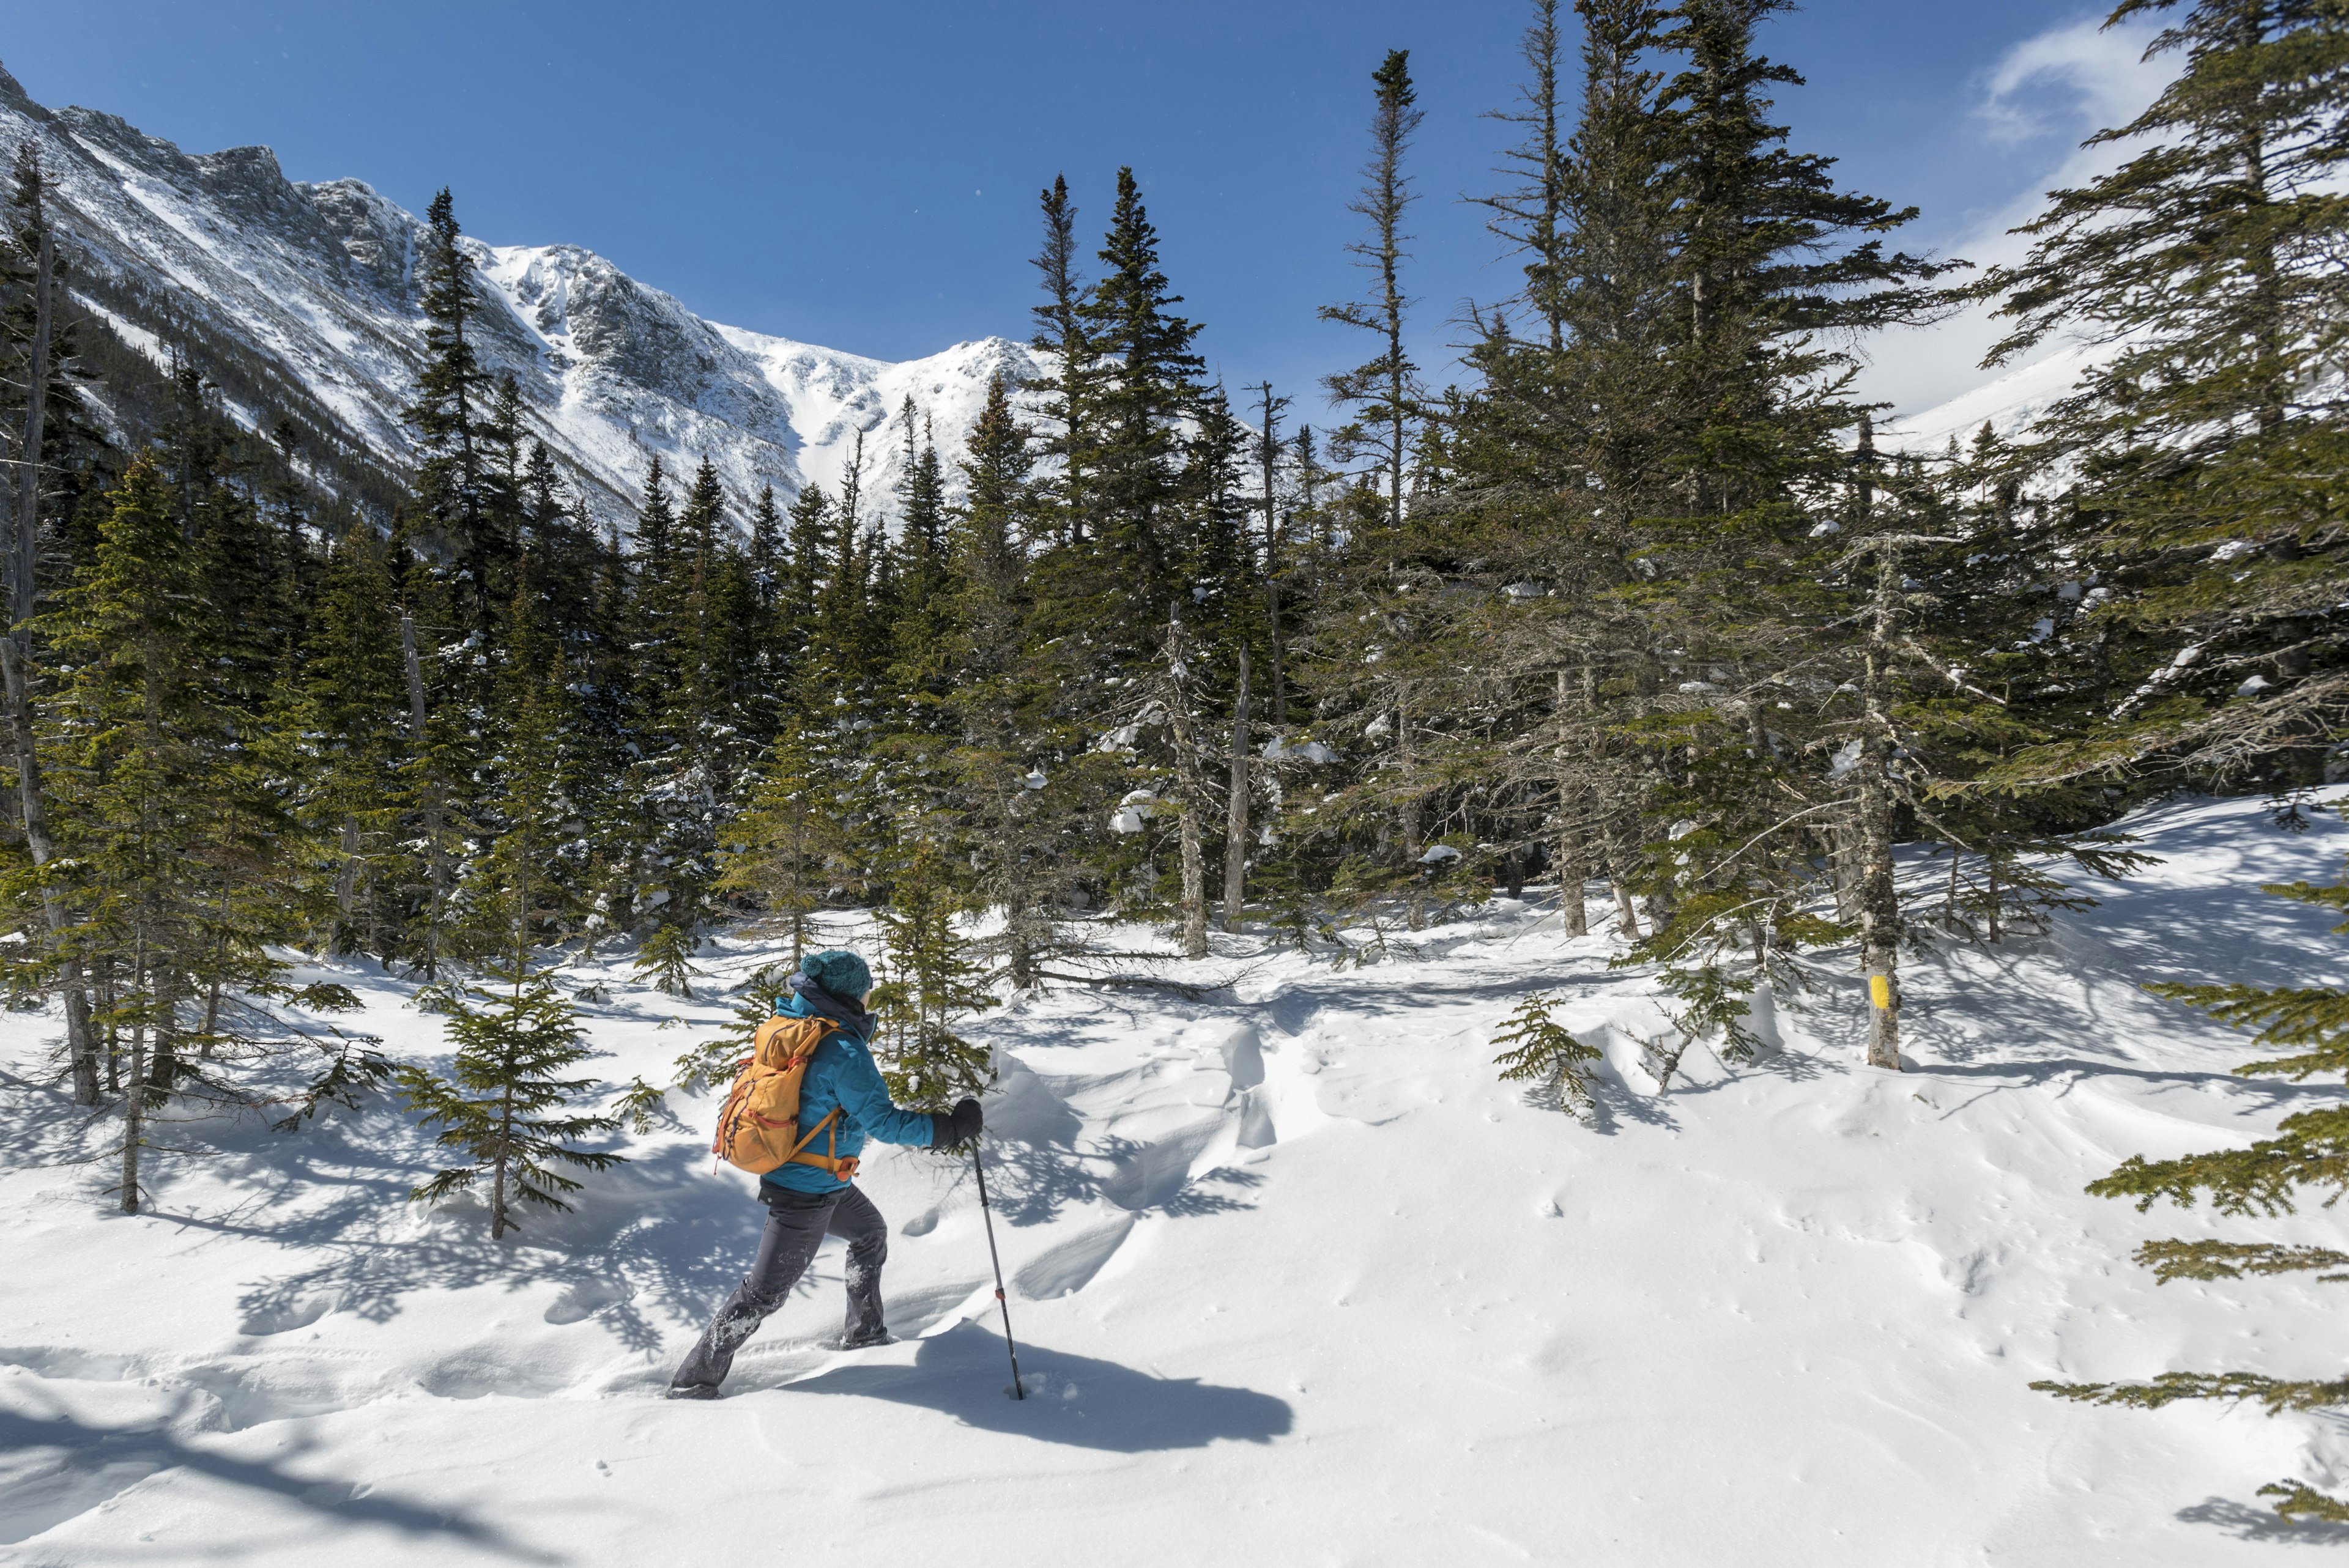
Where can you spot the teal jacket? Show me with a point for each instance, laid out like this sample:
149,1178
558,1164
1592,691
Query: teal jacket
842,1076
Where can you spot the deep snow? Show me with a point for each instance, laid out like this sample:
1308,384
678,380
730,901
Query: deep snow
1297,1279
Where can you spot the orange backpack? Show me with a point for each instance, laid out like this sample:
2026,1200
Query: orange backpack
759,1126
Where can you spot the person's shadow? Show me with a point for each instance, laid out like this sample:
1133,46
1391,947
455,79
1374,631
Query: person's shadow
1075,1399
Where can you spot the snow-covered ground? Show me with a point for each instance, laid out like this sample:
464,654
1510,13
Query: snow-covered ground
1296,1279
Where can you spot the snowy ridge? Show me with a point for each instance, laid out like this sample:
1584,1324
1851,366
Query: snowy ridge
1296,1281
2010,405
319,281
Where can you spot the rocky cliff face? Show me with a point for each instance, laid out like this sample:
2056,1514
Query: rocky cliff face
305,298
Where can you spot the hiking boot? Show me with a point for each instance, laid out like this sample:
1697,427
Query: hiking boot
861,1341
695,1391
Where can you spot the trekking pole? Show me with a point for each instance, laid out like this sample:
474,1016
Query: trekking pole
1018,1391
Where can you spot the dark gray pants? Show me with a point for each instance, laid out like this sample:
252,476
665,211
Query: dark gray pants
797,1223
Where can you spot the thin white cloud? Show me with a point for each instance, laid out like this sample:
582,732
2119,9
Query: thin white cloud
2056,87
2071,78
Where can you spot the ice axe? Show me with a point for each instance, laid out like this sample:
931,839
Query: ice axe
986,1213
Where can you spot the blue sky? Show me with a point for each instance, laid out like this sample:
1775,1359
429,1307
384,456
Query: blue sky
866,176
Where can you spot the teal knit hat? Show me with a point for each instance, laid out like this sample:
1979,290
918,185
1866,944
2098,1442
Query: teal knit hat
838,970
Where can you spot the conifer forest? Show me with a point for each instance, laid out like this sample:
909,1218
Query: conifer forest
1139,679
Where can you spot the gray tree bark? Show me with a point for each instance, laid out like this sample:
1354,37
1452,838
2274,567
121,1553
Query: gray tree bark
1235,817
1187,790
1878,897
436,857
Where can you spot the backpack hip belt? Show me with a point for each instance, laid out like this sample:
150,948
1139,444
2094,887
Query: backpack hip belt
828,1161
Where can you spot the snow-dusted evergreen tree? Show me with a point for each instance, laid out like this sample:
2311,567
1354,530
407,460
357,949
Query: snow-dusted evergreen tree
451,408
2207,438
357,713
933,979
811,550
172,819
505,1106
1106,591
2309,1153
1017,775
38,410
790,846
1385,390
1540,1051
1064,395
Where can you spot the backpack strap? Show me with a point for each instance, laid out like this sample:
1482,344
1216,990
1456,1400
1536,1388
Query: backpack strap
828,1162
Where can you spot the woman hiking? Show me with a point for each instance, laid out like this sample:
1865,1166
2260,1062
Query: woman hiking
842,1101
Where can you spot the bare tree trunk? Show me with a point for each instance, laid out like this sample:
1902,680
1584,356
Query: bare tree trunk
134,1095
1573,871
1843,850
1187,790
436,856
347,885
1269,459
106,993
497,1172
1618,871
1573,849
163,1061
1407,814
1879,899
16,677
134,1117
1236,817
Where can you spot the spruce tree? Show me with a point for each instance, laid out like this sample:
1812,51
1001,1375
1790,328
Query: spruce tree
1385,390
1019,779
1063,337
1542,1052
452,470
788,847
769,560
932,980
1532,218
171,819
1147,387
812,547
2206,269
356,700
29,272
505,1105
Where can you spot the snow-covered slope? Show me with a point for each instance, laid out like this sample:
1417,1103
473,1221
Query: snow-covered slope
319,281
1298,1280
2008,404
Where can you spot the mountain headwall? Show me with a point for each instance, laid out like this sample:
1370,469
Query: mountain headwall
300,302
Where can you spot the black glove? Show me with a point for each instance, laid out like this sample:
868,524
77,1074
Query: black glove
960,1126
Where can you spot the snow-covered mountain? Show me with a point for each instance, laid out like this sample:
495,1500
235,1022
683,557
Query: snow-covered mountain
312,290
2010,403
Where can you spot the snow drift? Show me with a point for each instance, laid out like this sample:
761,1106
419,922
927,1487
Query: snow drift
1298,1280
